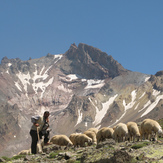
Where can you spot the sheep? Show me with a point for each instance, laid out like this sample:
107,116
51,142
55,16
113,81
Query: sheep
61,140
142,135
25,152
81,140
108,133
92,135
146,133
133,131
149,128
120,132
98,135
95,130
104,133
114,127
72,137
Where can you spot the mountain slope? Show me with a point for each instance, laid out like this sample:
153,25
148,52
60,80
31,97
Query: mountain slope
82,88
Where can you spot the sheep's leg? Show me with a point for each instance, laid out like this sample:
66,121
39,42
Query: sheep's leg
156,135
143,137
133,138
129,138
123,138
150,136
138,138
116,139
120,139
146,136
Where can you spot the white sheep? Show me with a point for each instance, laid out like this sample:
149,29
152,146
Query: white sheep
99,135
104,133
150,128
72,137
95,130
108,133
81,140
25,152
61,140
121,132
133,131
92,135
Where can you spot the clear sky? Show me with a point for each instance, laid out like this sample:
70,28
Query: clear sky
129,30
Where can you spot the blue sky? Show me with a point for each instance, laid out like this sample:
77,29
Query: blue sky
131,31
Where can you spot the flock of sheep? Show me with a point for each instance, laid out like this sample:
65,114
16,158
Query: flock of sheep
148,129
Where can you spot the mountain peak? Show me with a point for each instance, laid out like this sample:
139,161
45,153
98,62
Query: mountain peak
74,46
90,62
159,73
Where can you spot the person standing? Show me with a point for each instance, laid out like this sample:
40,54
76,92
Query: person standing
40,124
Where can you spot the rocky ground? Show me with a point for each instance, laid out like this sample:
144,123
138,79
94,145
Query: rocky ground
105,152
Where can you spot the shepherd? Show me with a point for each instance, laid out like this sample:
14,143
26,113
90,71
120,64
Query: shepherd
39,128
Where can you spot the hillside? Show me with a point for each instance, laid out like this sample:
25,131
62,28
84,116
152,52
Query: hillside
105,152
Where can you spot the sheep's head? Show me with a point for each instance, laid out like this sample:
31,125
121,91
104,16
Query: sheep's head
90,142
127,134
160,131
138,136
69,144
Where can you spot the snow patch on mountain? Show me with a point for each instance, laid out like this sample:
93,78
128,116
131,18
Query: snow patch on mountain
7,72
146,105
91,83
42,70
155,92
18,86
150,105
37,80
58,57
80,115
9,64
46,72
153,105
62,88
132,103
24,78
94,84
146,79
101,113
136,106
127,106
141,95
72,77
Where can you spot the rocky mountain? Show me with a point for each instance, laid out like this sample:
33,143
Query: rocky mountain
82,88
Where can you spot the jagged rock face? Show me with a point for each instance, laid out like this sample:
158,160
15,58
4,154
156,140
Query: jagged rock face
157,81
91,63
82,88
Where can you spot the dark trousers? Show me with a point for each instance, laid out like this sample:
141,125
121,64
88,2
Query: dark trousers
34,137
